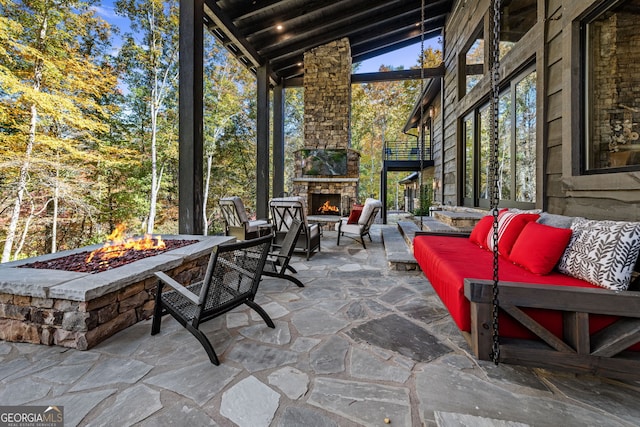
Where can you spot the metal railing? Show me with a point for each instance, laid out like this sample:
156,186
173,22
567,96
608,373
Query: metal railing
405,150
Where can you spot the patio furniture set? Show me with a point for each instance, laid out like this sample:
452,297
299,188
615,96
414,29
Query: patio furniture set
284,209
234,269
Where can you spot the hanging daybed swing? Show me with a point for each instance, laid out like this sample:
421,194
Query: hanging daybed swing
493,161
591,329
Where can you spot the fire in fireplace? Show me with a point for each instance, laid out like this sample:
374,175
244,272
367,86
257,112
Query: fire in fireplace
325,204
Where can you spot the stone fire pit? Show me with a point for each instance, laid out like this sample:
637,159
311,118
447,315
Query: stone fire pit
79,310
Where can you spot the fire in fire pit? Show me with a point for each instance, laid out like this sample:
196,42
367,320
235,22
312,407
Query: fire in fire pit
115,253
328,208
117,245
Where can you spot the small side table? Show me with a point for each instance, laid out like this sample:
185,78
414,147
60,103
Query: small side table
323,220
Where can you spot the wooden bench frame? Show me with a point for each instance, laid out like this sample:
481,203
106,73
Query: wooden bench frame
578,351
600,354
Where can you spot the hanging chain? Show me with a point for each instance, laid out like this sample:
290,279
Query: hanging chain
421,124
495,194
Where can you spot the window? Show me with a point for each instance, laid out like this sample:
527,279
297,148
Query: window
516,19
611,114
473,62
516,147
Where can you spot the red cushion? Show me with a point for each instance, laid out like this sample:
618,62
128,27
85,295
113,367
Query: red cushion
539,247
447,261
481,231
510,225
354,216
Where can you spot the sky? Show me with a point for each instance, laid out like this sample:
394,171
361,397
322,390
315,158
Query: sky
405,57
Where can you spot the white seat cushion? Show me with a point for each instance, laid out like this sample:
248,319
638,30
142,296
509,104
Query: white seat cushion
349,228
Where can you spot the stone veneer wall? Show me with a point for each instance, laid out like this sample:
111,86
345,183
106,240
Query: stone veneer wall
327,95
83,324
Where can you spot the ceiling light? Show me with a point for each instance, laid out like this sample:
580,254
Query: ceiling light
279,27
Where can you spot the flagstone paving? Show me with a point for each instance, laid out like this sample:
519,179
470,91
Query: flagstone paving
359,344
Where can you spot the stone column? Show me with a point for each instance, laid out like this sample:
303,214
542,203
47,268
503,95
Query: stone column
327,95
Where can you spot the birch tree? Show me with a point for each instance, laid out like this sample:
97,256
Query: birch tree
222,102
51,83
150,63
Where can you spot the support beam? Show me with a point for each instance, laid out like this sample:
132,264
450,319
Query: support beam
262,152
398,75
383,192
190,122
278,140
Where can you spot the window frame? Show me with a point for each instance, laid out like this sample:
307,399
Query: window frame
473,115
584,151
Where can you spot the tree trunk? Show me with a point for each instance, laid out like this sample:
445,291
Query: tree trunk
205,196
155,184
24,169
22,185
54,220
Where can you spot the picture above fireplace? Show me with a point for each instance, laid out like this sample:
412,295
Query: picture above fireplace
324,162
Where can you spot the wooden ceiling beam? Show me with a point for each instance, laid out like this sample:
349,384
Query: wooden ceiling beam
336,27
256,9
369,47
222,22
303,18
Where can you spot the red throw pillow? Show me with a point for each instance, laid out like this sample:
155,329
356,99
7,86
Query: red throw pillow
510,224
539,247
354,216
481,231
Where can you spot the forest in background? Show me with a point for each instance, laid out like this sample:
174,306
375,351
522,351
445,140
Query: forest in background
89,133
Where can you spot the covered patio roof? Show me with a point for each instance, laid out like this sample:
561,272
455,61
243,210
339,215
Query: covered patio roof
278,32
270,37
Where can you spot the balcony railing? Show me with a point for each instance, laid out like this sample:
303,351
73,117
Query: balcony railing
405,151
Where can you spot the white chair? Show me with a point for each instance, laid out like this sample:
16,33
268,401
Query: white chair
361,229
236,221
283,211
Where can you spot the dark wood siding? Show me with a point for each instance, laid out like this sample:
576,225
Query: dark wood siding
554,45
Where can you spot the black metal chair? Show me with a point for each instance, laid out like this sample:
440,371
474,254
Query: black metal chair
236,222
232,278
283,211
278,260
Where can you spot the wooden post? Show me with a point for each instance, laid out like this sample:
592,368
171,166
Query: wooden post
278,140
190,134
262,131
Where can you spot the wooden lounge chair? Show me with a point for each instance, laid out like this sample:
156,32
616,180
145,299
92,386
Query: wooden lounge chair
231,279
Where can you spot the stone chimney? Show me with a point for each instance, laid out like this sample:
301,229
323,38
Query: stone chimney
327,95
327,115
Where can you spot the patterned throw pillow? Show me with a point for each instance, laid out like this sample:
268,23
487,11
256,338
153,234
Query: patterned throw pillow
602,252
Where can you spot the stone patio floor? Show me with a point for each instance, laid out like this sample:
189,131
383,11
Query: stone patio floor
359,344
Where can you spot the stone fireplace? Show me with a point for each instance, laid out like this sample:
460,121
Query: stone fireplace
327,131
